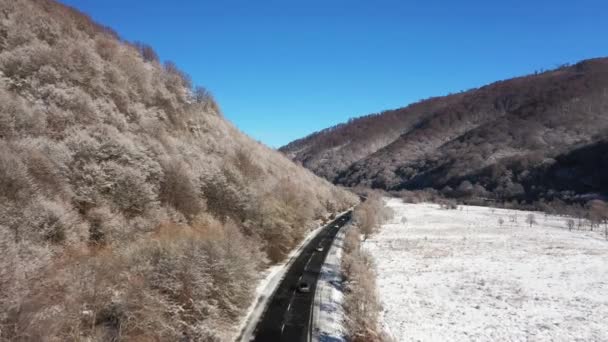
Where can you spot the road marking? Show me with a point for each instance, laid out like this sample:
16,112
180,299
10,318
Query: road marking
289,306
306,267
282,327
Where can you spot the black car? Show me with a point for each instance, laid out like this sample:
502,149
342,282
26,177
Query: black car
303,287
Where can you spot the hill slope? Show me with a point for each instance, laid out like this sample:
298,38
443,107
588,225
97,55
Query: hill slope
130,208
505,129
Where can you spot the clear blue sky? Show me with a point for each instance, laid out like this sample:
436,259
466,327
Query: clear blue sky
285,68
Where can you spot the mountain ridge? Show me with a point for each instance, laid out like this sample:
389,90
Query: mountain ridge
435,143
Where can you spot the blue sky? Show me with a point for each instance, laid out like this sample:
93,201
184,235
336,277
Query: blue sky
285,68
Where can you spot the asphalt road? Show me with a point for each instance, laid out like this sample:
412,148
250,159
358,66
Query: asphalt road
288,315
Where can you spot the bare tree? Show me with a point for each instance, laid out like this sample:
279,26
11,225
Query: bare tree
598,214
580,224
146,51
570,223
530,219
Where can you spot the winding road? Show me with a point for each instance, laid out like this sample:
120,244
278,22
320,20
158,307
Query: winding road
288,314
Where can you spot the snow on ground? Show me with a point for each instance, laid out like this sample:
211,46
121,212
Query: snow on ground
328,314
458,275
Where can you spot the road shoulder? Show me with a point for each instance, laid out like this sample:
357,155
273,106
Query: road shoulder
328,313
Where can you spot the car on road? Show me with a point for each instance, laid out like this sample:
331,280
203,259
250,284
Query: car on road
303,287
319,248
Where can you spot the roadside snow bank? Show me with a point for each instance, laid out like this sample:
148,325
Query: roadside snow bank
328,314
460,275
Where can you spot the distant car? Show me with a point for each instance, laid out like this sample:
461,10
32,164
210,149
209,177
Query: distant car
319,248
303,287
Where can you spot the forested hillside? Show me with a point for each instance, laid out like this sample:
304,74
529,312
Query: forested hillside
510,140
334,149
130,209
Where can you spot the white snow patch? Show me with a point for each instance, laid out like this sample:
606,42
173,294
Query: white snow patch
328,313
458,275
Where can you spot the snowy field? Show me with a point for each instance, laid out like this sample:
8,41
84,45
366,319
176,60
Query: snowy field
458,275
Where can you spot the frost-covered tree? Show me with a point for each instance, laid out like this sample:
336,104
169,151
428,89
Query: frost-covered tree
130,208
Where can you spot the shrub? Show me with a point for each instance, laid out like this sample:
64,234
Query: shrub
106,226
448,204
52,221
247,167
16,119
361,302
15,183
371,214
226,196
127,188
176,79
106,47
179,189
204,97
45,174
276,231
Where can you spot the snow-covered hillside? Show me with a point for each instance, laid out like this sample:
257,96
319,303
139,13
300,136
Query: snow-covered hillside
460,275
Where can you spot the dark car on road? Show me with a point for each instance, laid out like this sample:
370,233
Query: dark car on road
303,287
